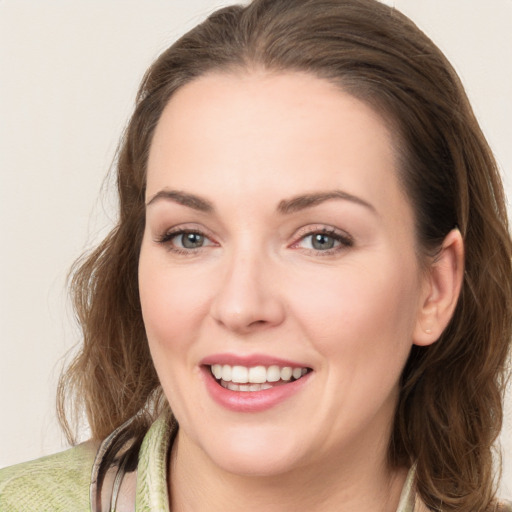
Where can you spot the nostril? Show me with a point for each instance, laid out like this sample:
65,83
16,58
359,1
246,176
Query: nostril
258,322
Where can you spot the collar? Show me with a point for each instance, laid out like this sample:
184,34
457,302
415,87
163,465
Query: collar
152,470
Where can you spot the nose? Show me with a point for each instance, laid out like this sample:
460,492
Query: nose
247,298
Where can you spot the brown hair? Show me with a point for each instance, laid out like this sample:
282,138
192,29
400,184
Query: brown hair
450,406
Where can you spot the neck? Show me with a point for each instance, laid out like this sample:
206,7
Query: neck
361,482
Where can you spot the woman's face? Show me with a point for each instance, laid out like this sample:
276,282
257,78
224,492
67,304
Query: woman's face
279,282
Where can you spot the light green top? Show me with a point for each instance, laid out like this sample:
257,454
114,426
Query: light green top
61,482
57,483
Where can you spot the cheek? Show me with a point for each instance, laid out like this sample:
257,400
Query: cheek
360,310
172,302
171,305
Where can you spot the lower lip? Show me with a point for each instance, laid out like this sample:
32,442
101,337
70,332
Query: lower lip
251,401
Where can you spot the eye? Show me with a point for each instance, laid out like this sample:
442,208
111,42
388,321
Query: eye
184,240
324,240
188,240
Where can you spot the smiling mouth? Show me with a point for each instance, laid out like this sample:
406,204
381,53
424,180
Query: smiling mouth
255,378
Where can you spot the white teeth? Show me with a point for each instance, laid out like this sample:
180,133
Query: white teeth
217,371
226,372
273,374
258,374
255,376
245,387
286,373
240,374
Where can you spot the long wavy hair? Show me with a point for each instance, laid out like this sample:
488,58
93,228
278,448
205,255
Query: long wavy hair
450,405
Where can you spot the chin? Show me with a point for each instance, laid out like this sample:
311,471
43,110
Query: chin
244,464
247,453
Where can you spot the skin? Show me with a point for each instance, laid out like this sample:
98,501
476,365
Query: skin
245,143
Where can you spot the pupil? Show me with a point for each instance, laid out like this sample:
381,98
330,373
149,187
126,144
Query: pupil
323,242
192,240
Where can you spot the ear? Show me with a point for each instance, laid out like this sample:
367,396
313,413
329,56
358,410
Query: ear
441,289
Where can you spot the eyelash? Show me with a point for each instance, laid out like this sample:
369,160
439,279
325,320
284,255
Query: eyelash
167,237
344,240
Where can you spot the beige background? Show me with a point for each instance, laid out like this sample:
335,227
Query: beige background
68,76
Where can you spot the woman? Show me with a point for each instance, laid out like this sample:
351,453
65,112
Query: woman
311,270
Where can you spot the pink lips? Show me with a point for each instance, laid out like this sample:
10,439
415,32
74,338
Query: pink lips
250,360
252,401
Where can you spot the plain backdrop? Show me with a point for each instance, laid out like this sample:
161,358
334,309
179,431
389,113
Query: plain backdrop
68,76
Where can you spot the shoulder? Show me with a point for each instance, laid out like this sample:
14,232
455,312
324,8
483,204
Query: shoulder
58,482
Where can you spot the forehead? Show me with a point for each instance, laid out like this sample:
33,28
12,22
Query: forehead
248,101
282,134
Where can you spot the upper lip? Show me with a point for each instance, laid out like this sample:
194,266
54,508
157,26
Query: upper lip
250,360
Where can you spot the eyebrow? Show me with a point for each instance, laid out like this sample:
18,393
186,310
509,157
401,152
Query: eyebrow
302,202
286,206
183,198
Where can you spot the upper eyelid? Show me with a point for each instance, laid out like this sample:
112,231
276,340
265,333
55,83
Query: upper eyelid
311,229
186,227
